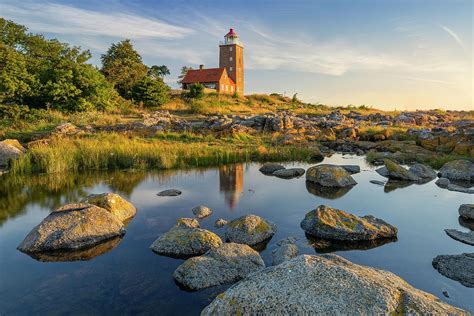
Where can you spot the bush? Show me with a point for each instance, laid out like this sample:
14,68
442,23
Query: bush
152,92
196,91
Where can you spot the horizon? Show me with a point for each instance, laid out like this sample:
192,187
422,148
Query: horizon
402,55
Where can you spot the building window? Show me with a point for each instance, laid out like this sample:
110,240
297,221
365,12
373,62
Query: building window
222,87
230,58
231,88
230,49
230,68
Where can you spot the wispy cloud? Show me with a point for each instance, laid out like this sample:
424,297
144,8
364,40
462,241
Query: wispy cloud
453,34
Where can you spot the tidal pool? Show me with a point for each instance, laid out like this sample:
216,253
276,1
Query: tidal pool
124,276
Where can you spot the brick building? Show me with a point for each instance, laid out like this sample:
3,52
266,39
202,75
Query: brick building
229,77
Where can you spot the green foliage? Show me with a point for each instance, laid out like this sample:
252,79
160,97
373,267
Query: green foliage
183,72
295,98
158,71
196,91
151,92
123,67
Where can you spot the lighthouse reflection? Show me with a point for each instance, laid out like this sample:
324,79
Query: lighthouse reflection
231,183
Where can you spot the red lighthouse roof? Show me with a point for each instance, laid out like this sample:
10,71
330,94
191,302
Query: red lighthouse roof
231,33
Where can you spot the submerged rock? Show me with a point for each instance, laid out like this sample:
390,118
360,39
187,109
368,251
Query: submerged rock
220,223
249,230
169,192
269,168
325,285
71,227
289,173
185,239
330,176
467,211
201,211
352,169
226,264
287,249
457,267
423,171
462,170
113,203
396,172
330,223
467,238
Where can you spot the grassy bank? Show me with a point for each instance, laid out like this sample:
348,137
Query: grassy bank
116,151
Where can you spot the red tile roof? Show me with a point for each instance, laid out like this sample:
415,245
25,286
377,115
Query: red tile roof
204,75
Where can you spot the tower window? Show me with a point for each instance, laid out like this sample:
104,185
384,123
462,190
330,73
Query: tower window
230,49
230,68
230,58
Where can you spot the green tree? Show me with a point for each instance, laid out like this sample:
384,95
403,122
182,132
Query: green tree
196,91
158,71
183,72
151,92
123,67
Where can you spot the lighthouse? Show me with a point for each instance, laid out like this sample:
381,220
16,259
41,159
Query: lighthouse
231,57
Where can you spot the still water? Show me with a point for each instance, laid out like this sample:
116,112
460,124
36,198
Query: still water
126,277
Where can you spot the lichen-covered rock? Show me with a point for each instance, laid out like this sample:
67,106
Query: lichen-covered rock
325,285
10,149
113,203
269,168
226,264
201,211
397,172
467,211
169,192
220,223
287,249
289,173
330,176
352,169
73,226
249,230
330,223
457,267
462,170
185,240
423,171
187,222
467,238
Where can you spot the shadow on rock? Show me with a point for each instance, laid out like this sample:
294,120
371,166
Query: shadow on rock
328,245
331,193
77,255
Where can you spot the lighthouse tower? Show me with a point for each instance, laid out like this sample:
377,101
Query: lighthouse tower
231,57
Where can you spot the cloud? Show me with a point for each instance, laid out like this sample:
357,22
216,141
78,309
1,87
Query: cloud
64,19
455,36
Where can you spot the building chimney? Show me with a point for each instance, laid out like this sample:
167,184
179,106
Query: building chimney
201,67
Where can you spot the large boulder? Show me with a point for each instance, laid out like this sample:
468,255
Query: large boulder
10,149
226,264
330,176
185,239
325,285
461,170
396,172
289,173
423,171
249,230
269,168
330,223
71,227
457,267
113,203
467,238
467,211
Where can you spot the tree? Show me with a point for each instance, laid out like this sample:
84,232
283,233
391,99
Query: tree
123,67
183,73
295,98
158,71
152,92
196,91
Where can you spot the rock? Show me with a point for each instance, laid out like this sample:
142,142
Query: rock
330,176
226,264
287,249
462,170
66,129
269,168
201,211
458,188
220,223
467,211
457,267
397,172
289,173
325,285
187,222
185,239
249,230
382,171
71,227
442,182
467,238
113,203
330,223
9,150
446,294
377,182
170,192
352,169
423,171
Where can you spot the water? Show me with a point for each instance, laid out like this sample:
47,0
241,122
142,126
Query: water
126,277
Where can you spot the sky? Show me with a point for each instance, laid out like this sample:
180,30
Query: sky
389,54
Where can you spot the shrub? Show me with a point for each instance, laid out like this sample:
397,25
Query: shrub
152,92
196,91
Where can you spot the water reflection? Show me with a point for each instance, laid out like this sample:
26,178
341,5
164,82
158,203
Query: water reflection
326,192
327,245
393,185
231,183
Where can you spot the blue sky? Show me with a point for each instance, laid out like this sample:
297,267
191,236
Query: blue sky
391,54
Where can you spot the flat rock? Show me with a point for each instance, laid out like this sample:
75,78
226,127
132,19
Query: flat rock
467,211
467,238
457,267
269,168
423,171
396,172
169,192
289,173
185,240
325,285
462,170
113,203
201,211
249,230
72,227
330,223
226,264
286,250
352,169
377,182
330,176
